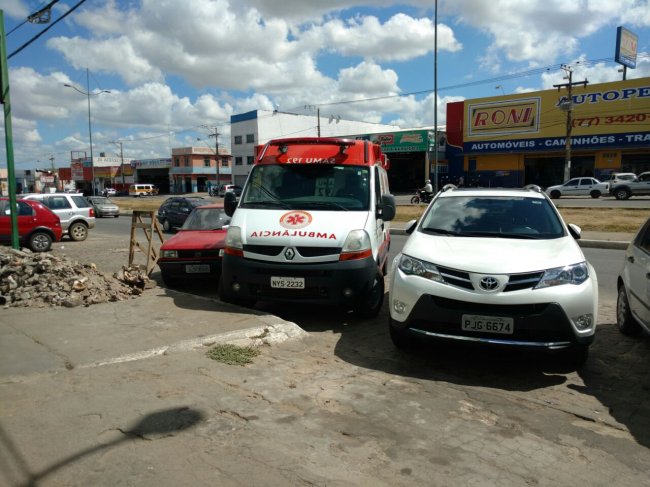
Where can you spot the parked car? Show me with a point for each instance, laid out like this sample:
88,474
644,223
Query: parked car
633,303
144,189
196,250
175,210
579,187
224,188
38,226
619,177
76,213
495,267
636,186
103,206
109,192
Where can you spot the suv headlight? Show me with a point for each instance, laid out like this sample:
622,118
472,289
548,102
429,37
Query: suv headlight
415,267
571,274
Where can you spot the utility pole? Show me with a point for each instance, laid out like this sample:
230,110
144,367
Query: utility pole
216,153
318,118
568,106
54,178
122,164
435,95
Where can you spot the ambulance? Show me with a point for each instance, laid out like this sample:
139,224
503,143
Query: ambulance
311,226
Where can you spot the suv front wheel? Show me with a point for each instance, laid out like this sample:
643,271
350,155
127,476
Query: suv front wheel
78,231
622,194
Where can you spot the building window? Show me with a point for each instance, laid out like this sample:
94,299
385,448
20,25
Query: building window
176,162
237,139
238,161
187,161
250,160
250,138
224,162
206,162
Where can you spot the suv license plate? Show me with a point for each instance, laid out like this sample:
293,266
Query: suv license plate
197,268
490,324
288,282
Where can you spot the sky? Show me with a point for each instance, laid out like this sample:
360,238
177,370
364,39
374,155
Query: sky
175,69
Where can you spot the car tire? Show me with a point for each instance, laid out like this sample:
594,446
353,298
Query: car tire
166,226
626,323
40,242
400,337
228,297
78,231
595,194
555,194
622,194
371,303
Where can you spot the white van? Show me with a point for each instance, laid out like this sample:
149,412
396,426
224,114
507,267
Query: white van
144,189
311,226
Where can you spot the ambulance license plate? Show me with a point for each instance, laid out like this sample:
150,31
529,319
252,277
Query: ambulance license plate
288,282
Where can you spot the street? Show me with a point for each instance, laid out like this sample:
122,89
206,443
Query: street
341,406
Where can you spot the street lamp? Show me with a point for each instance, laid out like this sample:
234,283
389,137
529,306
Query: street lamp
90,132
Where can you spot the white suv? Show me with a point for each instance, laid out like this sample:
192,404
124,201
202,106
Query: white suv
496,267
633,304
76,213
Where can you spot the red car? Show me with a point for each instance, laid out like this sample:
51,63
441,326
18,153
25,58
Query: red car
196,250
38,226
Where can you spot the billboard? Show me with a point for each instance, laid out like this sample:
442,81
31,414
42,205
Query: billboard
603,115
626,47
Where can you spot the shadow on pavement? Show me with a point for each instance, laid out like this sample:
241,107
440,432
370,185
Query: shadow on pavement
615,375
152,426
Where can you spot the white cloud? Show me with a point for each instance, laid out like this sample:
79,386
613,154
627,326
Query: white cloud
15,9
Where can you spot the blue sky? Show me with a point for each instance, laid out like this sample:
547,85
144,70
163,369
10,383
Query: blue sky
175,66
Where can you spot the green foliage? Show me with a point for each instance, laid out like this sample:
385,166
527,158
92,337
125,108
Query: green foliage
233,354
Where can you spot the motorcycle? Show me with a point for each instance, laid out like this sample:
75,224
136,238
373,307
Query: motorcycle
421,196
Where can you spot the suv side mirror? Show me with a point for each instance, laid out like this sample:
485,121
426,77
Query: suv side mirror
386,209
229,203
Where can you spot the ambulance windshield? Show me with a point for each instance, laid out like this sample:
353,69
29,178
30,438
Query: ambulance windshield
308,186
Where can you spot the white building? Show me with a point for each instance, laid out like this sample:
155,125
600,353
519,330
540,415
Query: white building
250,130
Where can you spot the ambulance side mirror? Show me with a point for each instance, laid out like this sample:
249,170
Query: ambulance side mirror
386,210
229,203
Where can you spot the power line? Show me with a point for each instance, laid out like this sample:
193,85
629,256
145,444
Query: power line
46,29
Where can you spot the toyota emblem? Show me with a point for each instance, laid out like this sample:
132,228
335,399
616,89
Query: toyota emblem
289,254
489,283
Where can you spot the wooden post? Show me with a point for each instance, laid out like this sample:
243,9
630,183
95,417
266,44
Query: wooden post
151,253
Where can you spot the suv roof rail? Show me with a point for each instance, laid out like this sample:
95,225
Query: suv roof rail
533,187
448,187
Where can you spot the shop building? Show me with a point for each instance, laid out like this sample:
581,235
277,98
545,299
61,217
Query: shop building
195,169
520,139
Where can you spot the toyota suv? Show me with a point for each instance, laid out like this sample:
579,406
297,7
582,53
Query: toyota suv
76,213
497,267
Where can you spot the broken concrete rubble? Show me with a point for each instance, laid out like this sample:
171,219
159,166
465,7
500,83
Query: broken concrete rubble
29,279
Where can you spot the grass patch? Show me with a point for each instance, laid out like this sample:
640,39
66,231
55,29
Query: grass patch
233,354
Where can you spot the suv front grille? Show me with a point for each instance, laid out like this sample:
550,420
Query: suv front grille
516,282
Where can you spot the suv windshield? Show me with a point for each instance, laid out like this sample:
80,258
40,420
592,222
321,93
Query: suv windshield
305,186
492,216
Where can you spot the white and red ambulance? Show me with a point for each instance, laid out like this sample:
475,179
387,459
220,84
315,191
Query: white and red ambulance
311,225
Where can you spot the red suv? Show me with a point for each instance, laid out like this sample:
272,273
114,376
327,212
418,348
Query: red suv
38,226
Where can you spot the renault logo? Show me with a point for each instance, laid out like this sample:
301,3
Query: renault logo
289,254
489,283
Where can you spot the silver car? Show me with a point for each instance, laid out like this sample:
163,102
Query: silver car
76,213
103,206
633,304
